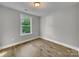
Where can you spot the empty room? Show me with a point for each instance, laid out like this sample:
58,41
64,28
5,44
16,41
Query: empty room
39,29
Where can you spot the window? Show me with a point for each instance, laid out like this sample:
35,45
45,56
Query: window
26,25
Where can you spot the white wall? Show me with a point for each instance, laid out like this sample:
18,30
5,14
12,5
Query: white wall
10,26
60,26
0,28
78,23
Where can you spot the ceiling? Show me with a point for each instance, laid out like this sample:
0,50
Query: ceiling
44,9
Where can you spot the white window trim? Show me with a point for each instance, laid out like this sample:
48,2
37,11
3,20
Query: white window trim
23,34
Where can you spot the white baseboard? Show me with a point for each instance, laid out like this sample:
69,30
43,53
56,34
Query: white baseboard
10,45
63,44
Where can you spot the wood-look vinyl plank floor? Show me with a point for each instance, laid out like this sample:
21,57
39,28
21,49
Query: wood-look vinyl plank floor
48,49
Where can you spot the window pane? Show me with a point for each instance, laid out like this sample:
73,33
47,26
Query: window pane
26,21
26,28
25,25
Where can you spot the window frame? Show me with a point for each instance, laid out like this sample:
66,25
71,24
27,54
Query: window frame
21,18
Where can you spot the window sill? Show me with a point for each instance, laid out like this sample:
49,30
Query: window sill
26,34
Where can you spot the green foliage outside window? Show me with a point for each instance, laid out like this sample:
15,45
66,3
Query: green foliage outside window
26,25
